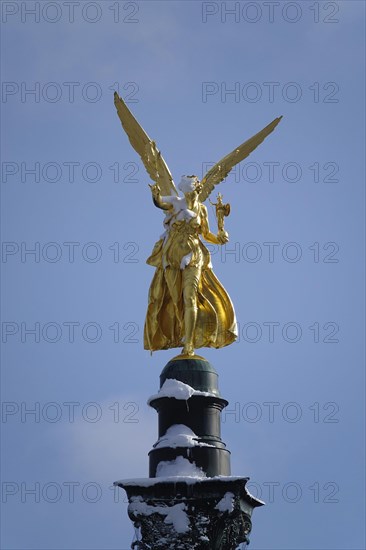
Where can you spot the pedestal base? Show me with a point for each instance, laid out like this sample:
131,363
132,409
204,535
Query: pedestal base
188,513
200,413
190,501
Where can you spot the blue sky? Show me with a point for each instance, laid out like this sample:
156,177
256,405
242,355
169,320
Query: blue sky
294,266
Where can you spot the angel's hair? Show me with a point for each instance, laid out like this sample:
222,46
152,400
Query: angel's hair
188,183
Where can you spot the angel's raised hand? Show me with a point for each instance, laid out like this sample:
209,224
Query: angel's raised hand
222,237
155,189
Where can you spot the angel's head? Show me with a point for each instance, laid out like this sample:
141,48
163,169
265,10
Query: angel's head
189,184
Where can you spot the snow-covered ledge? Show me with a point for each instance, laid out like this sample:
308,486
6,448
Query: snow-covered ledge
178,390
188,511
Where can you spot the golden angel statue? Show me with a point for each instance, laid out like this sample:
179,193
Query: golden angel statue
187,305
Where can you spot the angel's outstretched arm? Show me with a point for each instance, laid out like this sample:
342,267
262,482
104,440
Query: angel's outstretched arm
206,233
158,199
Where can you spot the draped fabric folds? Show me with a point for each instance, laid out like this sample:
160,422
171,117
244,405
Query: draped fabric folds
164,324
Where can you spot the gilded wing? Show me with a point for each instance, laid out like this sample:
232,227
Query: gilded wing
146,148
219,172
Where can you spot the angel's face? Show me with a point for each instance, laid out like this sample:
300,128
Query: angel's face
189,184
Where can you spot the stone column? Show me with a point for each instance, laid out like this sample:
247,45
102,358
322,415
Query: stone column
190,500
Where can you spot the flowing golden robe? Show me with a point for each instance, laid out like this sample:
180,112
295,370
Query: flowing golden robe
183,265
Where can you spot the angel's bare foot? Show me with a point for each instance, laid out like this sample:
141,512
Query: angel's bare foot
188,350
